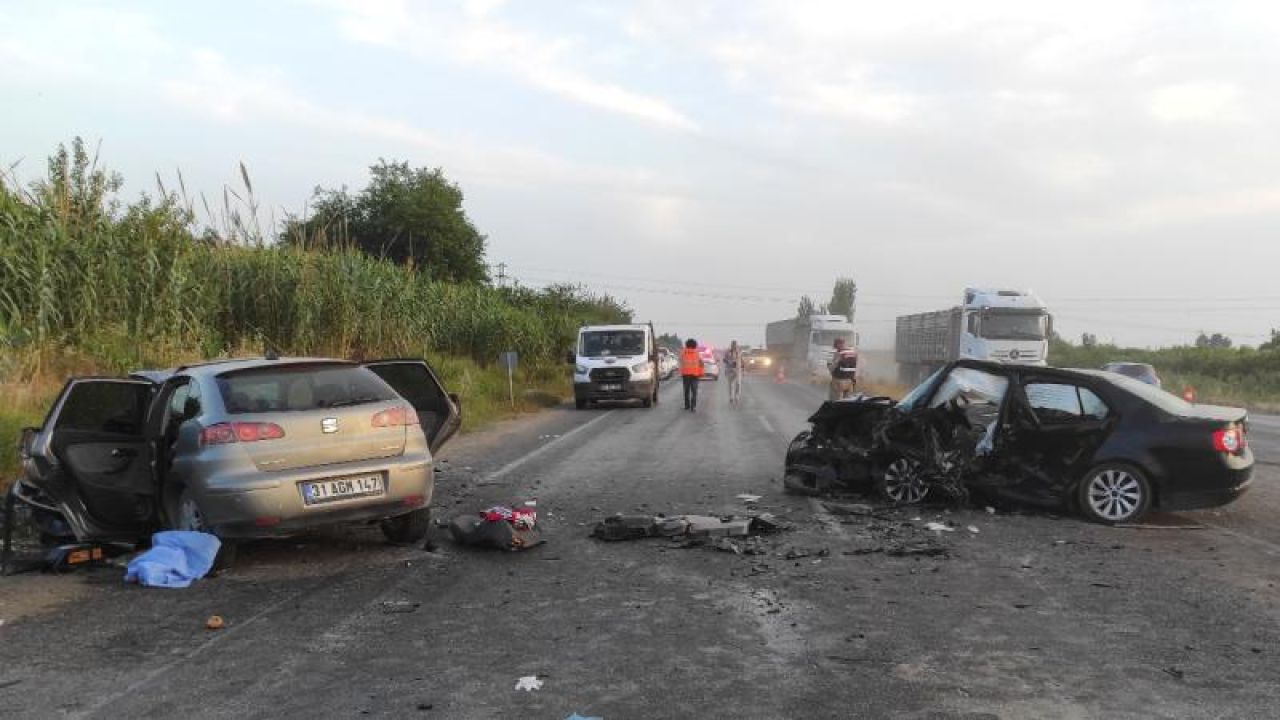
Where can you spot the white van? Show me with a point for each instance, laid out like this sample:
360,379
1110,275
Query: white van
615,362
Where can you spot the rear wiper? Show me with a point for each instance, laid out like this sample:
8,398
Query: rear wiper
351,401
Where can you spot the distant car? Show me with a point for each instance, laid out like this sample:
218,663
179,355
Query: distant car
1137,371
757,361
668,363
710,364
1110,446
241,448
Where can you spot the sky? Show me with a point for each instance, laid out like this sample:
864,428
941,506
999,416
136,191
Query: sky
710,161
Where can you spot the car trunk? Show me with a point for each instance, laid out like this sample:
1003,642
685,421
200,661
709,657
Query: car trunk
329,437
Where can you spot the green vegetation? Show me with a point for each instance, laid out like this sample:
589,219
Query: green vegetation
1245,377
88,285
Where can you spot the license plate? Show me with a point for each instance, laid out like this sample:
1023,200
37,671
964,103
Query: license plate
611,386
345,488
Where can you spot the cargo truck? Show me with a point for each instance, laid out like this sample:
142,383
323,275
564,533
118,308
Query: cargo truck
803,346
1008,326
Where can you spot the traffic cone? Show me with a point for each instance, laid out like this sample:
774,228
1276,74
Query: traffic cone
1188,393
781,375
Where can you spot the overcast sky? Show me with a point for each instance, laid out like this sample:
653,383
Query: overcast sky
1119,158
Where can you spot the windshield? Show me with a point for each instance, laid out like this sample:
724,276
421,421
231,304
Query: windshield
1014,326
911,399
300,387
827,338
602,343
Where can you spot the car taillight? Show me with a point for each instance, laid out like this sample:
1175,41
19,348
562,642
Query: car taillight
233,432
1230,440
396,416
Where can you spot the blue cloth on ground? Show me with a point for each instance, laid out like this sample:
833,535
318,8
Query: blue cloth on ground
176,559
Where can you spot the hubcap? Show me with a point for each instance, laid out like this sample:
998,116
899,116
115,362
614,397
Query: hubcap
189,516
902,482
1115,494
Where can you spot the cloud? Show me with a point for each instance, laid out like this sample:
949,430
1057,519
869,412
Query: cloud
1215,103
477,36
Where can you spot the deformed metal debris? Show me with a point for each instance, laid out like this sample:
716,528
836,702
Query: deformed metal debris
399,607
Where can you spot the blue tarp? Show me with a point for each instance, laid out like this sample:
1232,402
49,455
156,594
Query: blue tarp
176,559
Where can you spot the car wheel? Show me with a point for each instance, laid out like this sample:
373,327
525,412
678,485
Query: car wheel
184,513
408,528
902,483
1114,493
647,402
580,403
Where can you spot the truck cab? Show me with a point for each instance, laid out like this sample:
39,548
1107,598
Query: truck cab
824,330
1008,326
615,363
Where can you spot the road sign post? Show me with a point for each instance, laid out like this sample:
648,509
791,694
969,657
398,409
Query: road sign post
508,360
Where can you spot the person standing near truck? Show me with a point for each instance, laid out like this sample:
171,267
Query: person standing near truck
690,373
733,371
844,371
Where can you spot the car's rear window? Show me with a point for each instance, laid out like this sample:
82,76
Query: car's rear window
1166,401
294,388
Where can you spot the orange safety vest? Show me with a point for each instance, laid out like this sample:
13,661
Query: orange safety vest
690,363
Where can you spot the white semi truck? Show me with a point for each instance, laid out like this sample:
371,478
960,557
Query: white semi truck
804,346
1010,326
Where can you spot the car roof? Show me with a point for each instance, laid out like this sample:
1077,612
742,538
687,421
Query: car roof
217,367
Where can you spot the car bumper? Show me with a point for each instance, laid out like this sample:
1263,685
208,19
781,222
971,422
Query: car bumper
628,390
274,505
1236,483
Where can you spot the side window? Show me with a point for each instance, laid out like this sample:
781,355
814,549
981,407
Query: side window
104,406
1054,403
1092,406
973,324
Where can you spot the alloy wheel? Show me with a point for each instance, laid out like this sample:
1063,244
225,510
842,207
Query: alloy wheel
1114,495
903,482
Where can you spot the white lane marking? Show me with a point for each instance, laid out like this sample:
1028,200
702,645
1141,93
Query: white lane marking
767,425
501,472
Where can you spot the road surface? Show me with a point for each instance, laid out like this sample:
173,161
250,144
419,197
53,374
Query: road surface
1032,615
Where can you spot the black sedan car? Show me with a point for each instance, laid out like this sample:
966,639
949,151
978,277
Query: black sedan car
1108,445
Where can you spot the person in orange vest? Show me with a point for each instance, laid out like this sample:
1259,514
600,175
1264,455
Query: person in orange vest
690,373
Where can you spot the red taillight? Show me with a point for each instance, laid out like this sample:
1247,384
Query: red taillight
395,416
1230,440
233,432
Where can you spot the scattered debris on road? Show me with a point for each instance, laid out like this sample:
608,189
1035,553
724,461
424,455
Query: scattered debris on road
215,622
938,527
529,683
695,527
502,527
399,607
749,499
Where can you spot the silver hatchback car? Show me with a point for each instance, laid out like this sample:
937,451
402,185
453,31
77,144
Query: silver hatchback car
241,448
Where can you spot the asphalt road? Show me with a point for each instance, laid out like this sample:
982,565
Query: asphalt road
1033,615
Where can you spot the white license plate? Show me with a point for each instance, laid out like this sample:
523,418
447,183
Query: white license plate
611,386
345,488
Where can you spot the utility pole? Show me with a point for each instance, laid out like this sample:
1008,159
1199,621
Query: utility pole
502,274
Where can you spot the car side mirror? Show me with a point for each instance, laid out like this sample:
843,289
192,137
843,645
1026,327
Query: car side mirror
25,440
571,357
190,408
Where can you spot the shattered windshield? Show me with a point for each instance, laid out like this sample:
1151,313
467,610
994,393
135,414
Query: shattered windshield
1014,326
974,386
911,399
602,343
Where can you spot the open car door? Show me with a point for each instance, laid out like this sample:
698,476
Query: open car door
93,459
416,382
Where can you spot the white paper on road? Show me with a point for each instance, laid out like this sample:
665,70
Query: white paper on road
529,683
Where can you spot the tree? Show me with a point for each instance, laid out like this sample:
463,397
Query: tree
843,296
806,307
1216,340
1273,343
1088,340
671,341
409,215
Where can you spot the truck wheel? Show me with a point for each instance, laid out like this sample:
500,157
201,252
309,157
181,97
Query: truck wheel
646,403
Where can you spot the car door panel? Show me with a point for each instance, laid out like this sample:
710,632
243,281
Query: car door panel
97,458
1057,439
415,381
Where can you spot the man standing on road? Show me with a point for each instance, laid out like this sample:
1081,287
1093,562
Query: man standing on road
690,373
733,371
844,371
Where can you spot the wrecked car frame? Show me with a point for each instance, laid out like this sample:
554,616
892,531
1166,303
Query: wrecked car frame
1106,445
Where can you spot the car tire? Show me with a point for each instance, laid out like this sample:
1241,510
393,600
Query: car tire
646,403
901,482
1113,493
409,528
580,403
183,513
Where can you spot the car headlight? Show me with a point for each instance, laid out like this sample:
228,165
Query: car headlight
580,369
640,369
